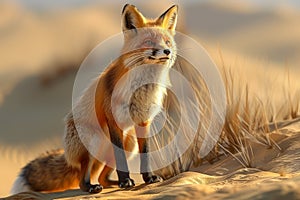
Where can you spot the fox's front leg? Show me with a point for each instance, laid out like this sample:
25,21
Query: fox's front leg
116,136
148,176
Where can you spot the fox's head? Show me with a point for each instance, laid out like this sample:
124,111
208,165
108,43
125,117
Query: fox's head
150,40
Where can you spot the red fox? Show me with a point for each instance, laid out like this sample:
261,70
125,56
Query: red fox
145,42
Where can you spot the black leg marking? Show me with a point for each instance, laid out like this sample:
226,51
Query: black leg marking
127,183
122,168
148,176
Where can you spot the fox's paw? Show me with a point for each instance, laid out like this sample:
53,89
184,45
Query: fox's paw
95,188
153,179
127,183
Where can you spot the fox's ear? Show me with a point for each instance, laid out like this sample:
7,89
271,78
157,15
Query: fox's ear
168,19
131,18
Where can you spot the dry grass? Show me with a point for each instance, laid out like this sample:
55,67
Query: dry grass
250,120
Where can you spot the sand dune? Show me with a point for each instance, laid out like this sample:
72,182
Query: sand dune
276,176
257,45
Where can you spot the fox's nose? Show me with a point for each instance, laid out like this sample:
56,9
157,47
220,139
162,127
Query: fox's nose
167,51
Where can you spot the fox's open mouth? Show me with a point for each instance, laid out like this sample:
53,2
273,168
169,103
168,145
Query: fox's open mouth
164,58
160,59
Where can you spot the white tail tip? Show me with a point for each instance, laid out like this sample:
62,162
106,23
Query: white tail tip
19,186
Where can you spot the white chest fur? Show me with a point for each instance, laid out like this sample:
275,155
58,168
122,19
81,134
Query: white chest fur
139,95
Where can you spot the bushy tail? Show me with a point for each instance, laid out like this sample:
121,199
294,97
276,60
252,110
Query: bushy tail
49,172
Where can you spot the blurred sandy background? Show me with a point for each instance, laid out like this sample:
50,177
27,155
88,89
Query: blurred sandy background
42,45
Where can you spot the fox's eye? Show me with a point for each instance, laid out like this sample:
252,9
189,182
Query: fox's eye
168,42
149,43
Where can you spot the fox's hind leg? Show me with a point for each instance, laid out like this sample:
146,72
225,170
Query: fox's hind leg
104,177
85,179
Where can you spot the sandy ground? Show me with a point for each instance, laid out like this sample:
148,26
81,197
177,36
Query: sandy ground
275,175
34,44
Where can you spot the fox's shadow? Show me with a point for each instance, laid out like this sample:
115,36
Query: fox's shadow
67,194
46,196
